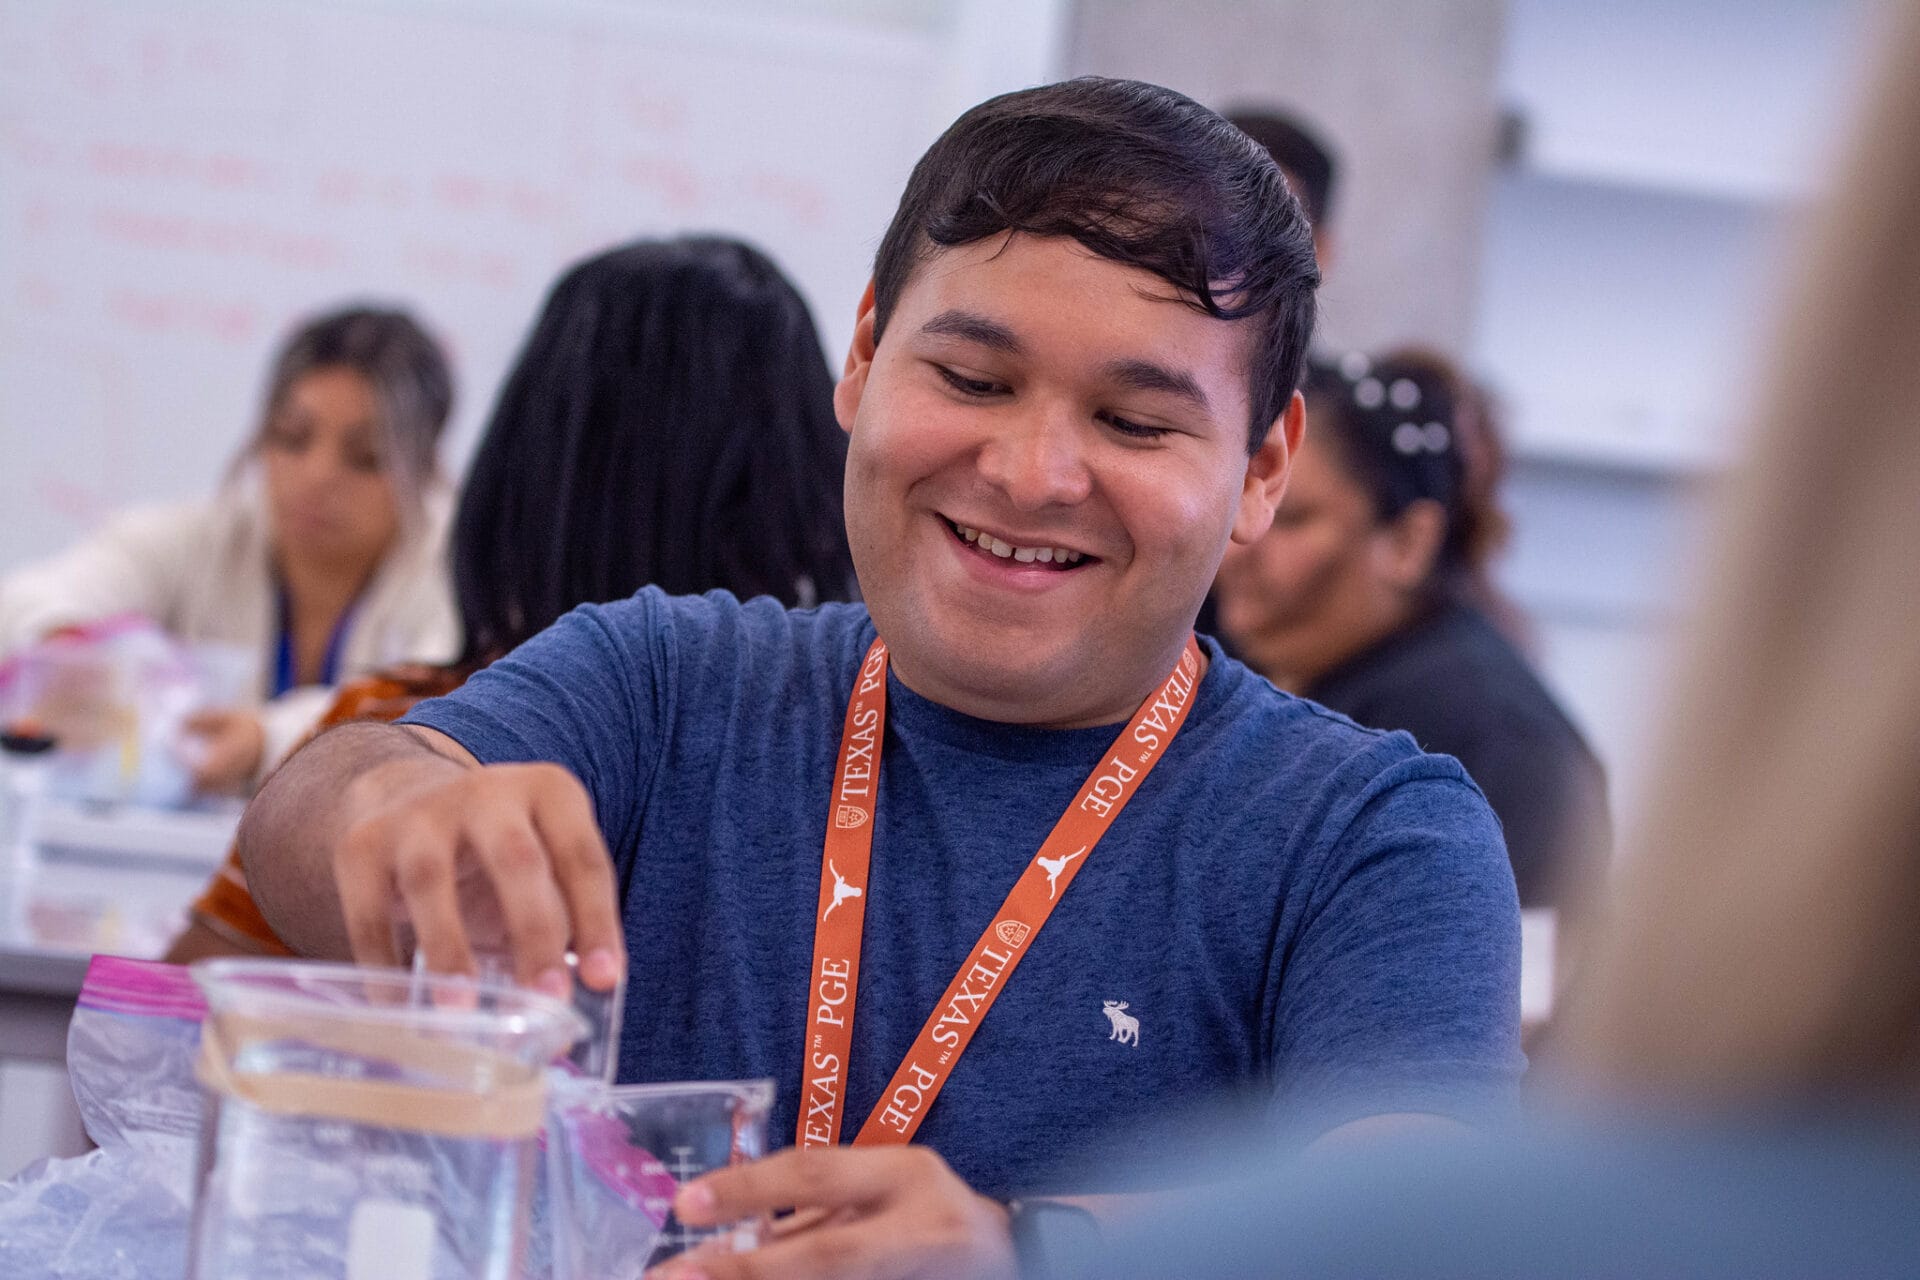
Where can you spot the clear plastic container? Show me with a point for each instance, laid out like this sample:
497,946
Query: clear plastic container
114,700
617,1156
366,1123
597,1055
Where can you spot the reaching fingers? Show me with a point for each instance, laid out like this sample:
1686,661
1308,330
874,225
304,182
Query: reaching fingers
423,861
364,879
505,843
832,1178
564,818
520,839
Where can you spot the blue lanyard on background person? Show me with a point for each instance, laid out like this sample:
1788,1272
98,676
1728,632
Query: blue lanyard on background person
285,677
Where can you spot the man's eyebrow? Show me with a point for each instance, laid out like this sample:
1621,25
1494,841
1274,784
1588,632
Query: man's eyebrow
977,329
1145,375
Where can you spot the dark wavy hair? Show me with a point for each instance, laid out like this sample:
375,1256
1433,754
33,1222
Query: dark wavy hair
668,422
1139,175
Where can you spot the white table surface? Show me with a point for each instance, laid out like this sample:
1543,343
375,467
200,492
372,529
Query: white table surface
116,882
98,880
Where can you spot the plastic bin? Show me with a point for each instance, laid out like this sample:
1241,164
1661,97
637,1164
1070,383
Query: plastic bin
368,1123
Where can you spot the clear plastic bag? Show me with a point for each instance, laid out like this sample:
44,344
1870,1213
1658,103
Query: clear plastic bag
601,1205
120,1211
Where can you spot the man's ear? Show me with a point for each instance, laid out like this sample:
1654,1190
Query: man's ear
1267,472
1410,544
853,379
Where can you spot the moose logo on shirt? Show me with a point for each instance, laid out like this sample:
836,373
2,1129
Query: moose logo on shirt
1126,1027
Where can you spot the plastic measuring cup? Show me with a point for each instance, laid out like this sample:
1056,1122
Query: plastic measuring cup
364,1123
616,1156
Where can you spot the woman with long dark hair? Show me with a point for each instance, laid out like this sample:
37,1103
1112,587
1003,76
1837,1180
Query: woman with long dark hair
669,422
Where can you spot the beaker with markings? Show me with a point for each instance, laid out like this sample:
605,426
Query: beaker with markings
363,1123
619,1155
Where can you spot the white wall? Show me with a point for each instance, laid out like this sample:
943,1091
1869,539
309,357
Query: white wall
1405,92
179,182
1632,250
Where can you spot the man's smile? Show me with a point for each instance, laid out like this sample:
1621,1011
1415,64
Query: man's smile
1038,553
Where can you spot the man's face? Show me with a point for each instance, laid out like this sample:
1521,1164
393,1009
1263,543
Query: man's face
1048,457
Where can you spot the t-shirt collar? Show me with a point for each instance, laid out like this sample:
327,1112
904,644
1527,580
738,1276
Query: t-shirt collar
912,716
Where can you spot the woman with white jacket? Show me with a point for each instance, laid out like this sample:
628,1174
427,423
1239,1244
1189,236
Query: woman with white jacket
322,553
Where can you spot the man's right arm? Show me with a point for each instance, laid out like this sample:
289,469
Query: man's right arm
289,833
370,825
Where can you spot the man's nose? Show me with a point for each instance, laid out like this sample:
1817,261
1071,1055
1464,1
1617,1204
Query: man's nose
1038,459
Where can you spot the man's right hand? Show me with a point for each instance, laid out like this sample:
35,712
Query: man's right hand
496,857
400,825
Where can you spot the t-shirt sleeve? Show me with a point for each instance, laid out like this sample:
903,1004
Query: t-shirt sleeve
583,694
1400,989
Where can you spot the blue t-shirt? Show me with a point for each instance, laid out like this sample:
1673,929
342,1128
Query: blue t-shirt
1290,902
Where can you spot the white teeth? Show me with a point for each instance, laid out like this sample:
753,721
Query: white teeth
1024,555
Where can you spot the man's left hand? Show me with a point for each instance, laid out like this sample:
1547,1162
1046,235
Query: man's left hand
862,1213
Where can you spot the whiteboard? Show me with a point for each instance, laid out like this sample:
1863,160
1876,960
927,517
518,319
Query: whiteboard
180,182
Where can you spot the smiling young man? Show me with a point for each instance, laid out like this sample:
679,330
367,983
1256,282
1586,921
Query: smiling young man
1005,863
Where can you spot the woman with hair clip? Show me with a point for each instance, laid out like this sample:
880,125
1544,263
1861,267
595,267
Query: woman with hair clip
669,422
1737,1072
321,554
1371,596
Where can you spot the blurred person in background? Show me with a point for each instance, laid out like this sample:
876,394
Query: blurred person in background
669,421
1307,161
322,554
1371,596
1739,1068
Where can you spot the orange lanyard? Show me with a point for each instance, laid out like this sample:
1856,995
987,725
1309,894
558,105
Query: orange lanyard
842,907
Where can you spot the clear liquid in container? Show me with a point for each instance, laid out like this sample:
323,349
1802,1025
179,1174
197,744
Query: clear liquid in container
359,1128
